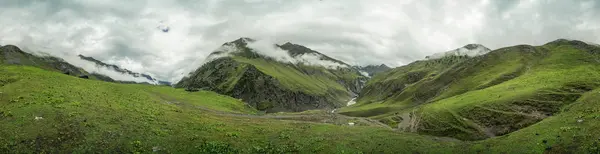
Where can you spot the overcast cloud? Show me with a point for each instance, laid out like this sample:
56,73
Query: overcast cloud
395,32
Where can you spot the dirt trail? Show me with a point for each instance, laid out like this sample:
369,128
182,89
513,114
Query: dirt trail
405,123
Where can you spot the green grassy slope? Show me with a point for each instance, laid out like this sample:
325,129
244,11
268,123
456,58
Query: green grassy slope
292,78
298,77
576,129
84,116
10,54
393,90
91,116
495,94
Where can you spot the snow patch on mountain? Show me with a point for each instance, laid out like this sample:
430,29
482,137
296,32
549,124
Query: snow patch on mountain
470,50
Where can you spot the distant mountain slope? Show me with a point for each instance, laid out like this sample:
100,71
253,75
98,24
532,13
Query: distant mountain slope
293,78
483,96
45,111
116,68
371,70
124,71
10,54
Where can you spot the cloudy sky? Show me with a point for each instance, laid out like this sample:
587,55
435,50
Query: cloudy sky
394,32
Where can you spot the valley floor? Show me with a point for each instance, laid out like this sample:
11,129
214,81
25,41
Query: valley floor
47,112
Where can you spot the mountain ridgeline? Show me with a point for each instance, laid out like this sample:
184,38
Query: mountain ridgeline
517,99
124,71
478,96
272,85
116,68
12,55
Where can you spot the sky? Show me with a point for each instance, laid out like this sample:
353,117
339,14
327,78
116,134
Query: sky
169,38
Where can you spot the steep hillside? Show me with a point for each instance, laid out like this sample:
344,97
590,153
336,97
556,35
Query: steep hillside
10,54
484,96
64,114
307,80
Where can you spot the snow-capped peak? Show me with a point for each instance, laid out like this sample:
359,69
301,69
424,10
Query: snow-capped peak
470,50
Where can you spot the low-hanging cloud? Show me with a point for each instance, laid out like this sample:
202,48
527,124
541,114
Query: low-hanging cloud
91,67
169,38
270,49
317,60
110,72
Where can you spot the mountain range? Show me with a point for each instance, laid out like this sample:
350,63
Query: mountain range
302,79
12,55
478,96
251,96
150,79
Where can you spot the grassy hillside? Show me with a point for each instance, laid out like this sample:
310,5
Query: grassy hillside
292,78
10,54
79,115
394,90
83,116
486,96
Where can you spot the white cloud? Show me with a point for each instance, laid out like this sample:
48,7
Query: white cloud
363,73
475,50
394,32
269,48
316,60
93,68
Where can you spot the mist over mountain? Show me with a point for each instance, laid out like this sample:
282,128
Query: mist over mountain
300,76
133,36
126,75
510,95
470,50
274,78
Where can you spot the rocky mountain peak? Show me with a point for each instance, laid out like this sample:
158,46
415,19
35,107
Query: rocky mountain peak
295,49
243,41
